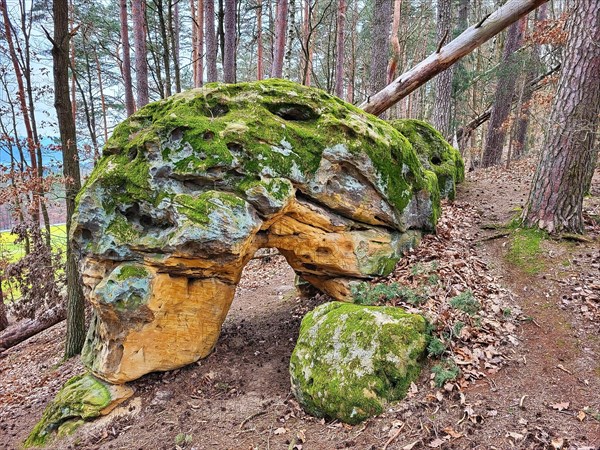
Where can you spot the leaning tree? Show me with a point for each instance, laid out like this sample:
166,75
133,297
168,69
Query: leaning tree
569,157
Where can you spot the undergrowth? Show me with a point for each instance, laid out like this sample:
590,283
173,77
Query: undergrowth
525,251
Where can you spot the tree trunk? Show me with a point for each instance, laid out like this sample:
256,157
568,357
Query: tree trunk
138,14
211,42
290,39
442,108
568,154
221,30
66,125
129,101
279,45
3,315
435,63
382,16
520,143
230,38
174,26
199,81
505,90
259,42
164,36
31,327
395,42
339,55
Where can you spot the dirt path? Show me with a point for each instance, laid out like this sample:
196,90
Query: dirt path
239,397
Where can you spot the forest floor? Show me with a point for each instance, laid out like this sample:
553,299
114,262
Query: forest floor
531,361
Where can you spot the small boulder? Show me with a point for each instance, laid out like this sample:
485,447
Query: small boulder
351,360
82,398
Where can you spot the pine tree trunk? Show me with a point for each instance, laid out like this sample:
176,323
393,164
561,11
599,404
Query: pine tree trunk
230,38
279,44
505,90
211,42
165,47
339,55
290,39
568,155
382,16
174,26
442,108
62,103
138,14
129,101
199,81
259,42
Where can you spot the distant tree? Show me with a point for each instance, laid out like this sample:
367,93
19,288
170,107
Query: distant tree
279,44
382,16
339,54
129,101
505,90
211,41
259,41
66,124
230,44
568,155
442,107
138,14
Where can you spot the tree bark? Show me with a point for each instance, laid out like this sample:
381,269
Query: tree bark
31,327
138,14
339,55
505,90
279,44
442,108
62,103
382,16
199,80
568,155
291,25
211,42
230,38
435,63
174,26
259,42
129,101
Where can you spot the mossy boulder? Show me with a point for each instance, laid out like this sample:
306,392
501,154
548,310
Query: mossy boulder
351,360
188,188
435,153
82,398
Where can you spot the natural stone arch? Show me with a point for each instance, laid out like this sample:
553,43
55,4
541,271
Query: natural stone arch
190,187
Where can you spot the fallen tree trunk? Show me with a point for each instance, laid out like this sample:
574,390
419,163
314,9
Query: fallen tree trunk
445,56
28,328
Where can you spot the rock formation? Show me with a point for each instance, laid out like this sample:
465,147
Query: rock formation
188,188
351,360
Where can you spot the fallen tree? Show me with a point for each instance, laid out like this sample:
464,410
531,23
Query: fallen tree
30,327
447,55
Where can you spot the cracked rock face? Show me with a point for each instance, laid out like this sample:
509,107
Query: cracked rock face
190,187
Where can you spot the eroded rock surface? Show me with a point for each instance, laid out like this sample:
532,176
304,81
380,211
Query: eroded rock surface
82,398
352,360
190,187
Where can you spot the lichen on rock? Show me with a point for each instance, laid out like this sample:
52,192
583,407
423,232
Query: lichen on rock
83,397
351,360
435,153
189,187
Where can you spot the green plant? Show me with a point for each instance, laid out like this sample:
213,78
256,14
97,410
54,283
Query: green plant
417,269
367,294
506,312
446,371
183,438
466,302
457,328
436,347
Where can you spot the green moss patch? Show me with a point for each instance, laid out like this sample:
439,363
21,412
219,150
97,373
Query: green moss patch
352,360
82,397
525,251
435,153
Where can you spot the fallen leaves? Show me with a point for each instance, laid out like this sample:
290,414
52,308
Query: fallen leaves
562,406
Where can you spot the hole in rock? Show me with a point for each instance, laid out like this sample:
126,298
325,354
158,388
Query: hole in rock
218,110
86,234
177,134
208,135
436,160
132,154
292,111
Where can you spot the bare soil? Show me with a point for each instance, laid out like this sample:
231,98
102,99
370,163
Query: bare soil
545,395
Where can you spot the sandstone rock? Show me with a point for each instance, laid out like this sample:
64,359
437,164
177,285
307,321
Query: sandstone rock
435,153
82,398
351,360
190,187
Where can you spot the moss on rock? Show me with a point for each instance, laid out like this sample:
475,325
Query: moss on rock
351,360
435,153
83,397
